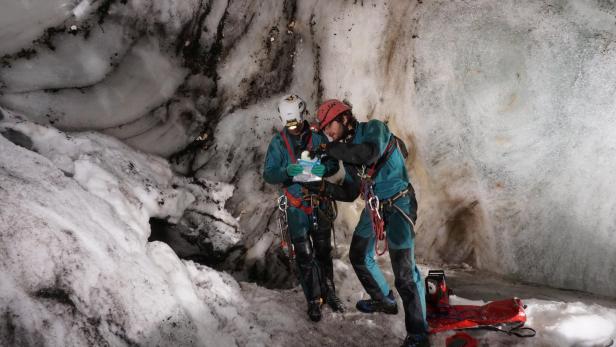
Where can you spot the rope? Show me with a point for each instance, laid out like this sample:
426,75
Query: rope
378,224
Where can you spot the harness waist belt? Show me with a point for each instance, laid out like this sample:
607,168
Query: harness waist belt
389,202
296,202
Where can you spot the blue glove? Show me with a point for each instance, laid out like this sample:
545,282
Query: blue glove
294,169
318,170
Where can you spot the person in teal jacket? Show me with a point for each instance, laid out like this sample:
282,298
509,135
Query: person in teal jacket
374,163
309,223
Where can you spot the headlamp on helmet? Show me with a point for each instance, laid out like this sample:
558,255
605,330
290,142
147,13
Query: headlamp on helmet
292,124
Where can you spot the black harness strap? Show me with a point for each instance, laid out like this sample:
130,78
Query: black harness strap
389,150
393,144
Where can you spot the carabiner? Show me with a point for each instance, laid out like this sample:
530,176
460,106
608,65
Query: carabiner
282,203
362,173
373,202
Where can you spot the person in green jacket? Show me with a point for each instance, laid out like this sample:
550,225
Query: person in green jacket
309,221
374,163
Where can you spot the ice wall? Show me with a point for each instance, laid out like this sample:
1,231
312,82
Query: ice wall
506,107
515,106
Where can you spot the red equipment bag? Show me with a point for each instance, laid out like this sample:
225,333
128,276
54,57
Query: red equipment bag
502,312
497,315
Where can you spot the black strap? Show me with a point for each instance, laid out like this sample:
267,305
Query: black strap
391,147
518,330
401,147
391,201
394,143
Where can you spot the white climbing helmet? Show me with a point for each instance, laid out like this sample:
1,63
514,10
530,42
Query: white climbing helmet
292,110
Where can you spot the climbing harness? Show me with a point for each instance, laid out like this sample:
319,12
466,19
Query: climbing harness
288,145
308,203
373,207
293,200
299,202
391,203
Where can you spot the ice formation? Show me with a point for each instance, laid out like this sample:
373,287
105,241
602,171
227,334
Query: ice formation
506,107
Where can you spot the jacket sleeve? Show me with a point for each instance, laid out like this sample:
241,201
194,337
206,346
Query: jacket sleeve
274,169
357,154
373,144
331,165
347,191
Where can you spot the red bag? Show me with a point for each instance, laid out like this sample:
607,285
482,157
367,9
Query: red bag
502,312
506,316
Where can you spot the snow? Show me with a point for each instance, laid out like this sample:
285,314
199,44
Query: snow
143,81
74,62
83,9
583,328
71,68
23,21
77,269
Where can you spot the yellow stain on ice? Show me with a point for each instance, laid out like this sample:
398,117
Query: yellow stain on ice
510,105
502,140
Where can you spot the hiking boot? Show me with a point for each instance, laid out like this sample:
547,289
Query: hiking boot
334,302
416,341
314,310
388,305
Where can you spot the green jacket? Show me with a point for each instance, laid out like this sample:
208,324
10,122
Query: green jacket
366,147
277,158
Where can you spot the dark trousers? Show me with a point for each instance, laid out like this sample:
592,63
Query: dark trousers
313,251
401,243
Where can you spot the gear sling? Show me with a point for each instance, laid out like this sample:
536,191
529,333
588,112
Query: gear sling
373,205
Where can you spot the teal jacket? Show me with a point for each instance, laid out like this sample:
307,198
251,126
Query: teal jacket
366,147
277,158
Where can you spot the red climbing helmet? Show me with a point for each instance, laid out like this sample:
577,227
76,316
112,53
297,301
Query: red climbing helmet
329,110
